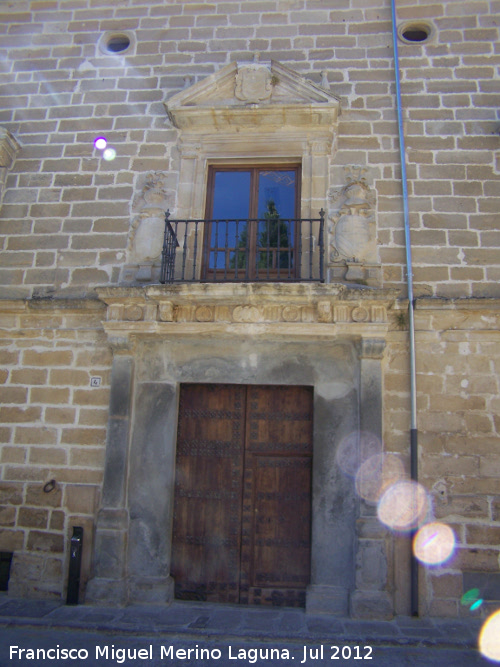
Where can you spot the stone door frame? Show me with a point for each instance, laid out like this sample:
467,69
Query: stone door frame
134,525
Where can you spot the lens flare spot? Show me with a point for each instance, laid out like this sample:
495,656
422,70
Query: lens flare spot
434,543
489,637
403,505
109,154
100,143
356,448
376,474
470,596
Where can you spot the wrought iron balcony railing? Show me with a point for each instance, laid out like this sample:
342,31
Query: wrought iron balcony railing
249,250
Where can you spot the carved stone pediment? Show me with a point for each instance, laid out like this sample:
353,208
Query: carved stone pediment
252,94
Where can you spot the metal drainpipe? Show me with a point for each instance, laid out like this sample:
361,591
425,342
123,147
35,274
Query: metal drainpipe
411,303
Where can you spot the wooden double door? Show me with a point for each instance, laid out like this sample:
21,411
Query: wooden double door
242,512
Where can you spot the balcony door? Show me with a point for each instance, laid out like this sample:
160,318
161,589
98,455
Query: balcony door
252,230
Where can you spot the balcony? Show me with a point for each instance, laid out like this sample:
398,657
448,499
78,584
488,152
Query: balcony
243,250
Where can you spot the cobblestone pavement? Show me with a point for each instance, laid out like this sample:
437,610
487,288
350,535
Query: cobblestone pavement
220,635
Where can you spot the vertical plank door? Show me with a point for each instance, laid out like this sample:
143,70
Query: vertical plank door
207,509
276,542
242,516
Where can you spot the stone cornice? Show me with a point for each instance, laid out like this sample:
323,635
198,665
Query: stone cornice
465,303
236,119
48,306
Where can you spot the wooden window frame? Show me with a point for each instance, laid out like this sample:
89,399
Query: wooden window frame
254,169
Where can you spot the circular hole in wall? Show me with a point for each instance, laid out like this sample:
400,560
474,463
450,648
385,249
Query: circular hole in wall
415,32
117,43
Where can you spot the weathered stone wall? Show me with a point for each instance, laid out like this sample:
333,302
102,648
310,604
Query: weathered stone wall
67,216
458,364
53,428
67,212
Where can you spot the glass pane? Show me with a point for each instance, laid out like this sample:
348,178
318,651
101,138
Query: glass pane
229,237
229,246
276,227
277,187
240,249
231,195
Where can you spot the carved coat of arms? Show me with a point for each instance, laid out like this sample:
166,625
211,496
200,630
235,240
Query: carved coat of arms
253,84
353,231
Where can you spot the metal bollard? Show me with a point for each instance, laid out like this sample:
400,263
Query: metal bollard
75,562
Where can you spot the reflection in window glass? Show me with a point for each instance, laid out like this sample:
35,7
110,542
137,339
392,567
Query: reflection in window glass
252,230
276,227
278,187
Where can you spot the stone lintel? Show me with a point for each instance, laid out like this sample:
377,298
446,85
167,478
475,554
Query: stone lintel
314,330
270,118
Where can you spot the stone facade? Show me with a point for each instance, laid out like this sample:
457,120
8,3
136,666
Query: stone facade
92,344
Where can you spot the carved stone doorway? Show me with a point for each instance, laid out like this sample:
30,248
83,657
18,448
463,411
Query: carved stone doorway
242,512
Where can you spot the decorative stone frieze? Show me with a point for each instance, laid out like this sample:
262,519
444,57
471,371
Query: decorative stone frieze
166,311
334,309
133,313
